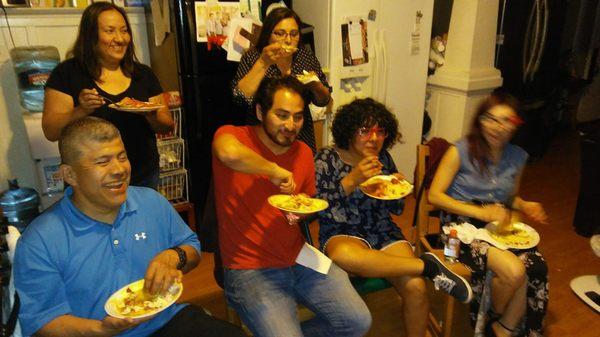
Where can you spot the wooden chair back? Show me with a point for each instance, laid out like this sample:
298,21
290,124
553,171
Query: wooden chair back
428,229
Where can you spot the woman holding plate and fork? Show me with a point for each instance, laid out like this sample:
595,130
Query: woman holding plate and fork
279,52
103,69
357,231
477,181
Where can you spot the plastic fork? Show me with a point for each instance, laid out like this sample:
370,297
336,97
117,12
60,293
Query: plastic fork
108,99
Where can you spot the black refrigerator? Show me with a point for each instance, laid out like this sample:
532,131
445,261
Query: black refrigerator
203,78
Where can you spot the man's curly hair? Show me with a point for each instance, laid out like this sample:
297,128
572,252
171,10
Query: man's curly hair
363,113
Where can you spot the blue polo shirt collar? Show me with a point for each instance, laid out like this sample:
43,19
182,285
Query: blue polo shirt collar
84,222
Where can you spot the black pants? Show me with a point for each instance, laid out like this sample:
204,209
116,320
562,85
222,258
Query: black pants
192,321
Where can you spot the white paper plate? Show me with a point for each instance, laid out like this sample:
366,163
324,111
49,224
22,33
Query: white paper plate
144,109
117,297
278,201
533,239
405,188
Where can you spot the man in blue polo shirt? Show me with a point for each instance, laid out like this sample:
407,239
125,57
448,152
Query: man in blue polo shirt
100,237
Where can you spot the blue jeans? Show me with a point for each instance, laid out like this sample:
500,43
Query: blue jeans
266,300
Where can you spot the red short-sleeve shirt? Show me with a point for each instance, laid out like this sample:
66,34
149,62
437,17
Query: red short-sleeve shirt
252,233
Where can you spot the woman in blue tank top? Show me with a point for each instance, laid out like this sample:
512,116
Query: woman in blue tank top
478,182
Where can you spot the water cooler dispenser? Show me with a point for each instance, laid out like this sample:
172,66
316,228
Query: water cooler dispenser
33,65
19,205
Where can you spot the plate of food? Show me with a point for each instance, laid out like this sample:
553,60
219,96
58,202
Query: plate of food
133,105
297,203
386,187
518,235
133,302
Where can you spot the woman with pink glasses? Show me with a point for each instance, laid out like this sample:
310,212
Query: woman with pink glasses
357,231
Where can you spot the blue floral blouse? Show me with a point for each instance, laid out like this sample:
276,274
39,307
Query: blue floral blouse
356,214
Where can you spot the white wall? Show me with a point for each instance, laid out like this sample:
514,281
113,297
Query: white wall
32,26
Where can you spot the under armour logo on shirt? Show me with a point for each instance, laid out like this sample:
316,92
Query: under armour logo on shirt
141,235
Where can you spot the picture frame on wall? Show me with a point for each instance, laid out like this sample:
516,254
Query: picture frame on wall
15,3
134,3
50,3
81,3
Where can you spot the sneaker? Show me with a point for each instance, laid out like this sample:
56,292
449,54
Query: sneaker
449,281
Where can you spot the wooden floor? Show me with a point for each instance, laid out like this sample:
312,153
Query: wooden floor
552,180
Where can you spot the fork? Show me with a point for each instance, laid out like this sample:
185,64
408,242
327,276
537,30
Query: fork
108,99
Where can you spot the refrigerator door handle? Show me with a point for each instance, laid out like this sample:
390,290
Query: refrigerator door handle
384,66
375,66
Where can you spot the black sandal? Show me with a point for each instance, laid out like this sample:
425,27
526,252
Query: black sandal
489,331
505,328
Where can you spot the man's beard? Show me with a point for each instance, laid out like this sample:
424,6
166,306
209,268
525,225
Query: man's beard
273,137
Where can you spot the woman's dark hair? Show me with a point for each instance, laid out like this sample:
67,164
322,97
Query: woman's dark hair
269,86
274,17
479,149
363,113
85,48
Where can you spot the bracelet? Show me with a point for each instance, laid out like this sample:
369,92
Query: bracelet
182,257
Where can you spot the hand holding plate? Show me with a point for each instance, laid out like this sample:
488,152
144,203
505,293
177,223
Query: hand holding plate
113,325
292,218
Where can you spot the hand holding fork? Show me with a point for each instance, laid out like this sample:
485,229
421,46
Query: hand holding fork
90,100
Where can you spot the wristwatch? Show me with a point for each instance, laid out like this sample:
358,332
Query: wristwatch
182,257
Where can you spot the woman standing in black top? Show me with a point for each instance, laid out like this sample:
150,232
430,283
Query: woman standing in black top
104,66
278,52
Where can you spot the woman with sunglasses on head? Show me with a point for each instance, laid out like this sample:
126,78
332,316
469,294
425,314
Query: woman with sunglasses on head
477,181
279,52
357,231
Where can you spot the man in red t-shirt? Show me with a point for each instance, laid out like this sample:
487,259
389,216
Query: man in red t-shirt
258,245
